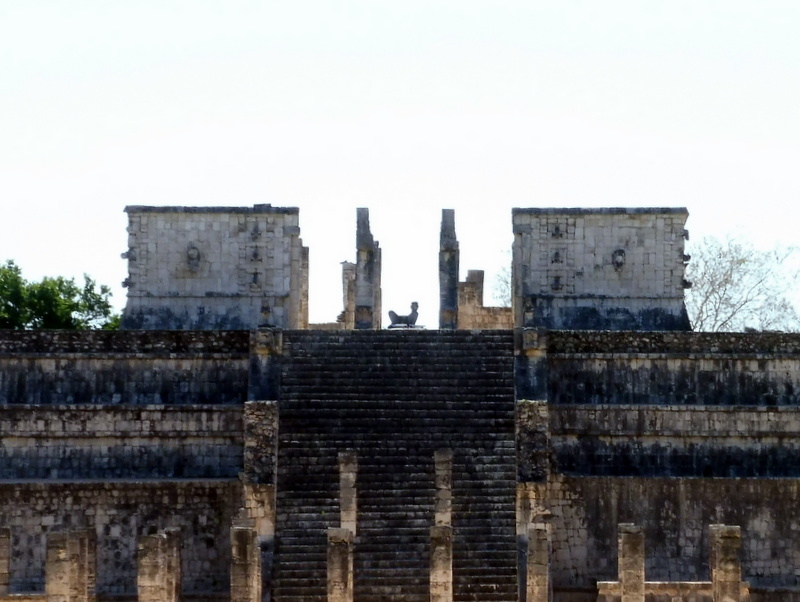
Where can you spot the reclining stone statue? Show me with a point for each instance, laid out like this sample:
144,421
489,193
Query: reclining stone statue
409,320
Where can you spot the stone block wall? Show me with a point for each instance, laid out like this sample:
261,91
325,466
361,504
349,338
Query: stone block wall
123,367
66,442
196,268
760,369
697,441
472,314
671,431
118,512
675,514
618,269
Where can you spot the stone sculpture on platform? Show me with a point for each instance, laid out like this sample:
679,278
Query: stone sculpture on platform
404,321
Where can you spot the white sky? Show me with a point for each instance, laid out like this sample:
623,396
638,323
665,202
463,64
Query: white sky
403,107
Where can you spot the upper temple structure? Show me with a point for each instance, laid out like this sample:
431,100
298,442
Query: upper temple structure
600,269
201,268
197,268
582,445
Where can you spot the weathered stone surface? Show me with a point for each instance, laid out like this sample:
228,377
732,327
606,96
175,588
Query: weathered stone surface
340,565
368,275
209,268
472,314
674,514
245,565
118,512
260,442
102,442
600,269
449,257
60,367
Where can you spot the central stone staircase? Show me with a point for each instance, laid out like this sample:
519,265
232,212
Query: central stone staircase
394,398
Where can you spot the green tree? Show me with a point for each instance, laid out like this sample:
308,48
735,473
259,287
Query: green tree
13,313
53,303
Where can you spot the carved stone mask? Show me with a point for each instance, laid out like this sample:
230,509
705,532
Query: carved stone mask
193,258
618,259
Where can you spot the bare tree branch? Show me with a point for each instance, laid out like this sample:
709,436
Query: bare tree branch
738,287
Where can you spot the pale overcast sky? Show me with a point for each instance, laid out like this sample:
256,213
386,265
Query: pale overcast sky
403,107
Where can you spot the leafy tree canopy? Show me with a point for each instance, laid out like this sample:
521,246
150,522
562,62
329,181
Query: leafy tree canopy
53,303
737,287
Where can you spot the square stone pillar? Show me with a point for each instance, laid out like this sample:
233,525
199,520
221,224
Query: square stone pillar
539,588
448,272
259,502
57,570
631,562
368,275
159,567
245,565
726,573
348,494
340,565
441,564
5,560
443,483
66,568
172,551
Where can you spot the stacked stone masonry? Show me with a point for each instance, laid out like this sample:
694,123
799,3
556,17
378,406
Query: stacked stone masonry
215,267
618,269
407,465
395,398
670,431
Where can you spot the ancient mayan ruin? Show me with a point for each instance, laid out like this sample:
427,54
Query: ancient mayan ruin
582,445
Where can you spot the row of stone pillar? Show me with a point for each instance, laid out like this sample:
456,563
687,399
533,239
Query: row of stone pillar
71,565
726,583
341,539
159,574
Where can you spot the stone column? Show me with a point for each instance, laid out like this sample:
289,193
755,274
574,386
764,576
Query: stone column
340,565
66,568
260,509
5,560
441,564
348,495
539,588
172,553
245,565
57,569
159,567
89,537
368,275
348,314
448,272
631,562
443,483
726,573
83,559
